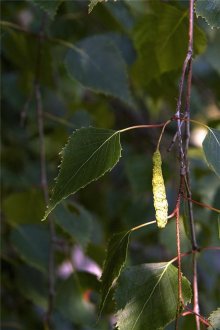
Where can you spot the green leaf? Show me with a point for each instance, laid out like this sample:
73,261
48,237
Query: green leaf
24,207
212,53
124,44
210,11
98,65
70,303
172,24
166,237
139,172
170,48
214,319
147,296
49,6
76,221
161,41
115,259
93,3
89,154
32,244
211,147
32,285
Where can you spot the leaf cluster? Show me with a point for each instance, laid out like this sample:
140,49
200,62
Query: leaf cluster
117,67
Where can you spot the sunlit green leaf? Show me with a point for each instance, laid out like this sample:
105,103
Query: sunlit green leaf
89,153
98,65
161,40
93,3
210,11
115,259
211,147
147,296
214,319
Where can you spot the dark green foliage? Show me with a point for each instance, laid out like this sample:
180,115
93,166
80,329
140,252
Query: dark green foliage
211,147
32,244
70,303
162,48
75,221
49,6
114,262
89,153
91,64
147,296
117,67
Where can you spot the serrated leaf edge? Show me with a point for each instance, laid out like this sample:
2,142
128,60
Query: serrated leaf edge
188,301
50,208
209,318
203,17
92,5
122,266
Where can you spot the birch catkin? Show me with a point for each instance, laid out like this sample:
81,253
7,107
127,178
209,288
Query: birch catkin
159,191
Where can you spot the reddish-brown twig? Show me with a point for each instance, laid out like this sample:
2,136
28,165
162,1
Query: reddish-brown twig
201,318
202,204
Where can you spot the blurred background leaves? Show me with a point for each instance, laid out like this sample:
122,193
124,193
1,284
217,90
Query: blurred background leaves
148,41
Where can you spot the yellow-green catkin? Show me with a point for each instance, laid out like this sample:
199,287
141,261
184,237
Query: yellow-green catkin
159,191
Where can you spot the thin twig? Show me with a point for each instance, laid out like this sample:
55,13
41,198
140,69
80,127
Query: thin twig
203,205
161,134
141,126
151,222
178,112
195,291
186,254
190,207
178,243
175,137
210,248
181,85
184,164
58,119
24,111
44,183
203,320
187,175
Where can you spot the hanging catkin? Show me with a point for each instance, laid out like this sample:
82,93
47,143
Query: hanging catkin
159,191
